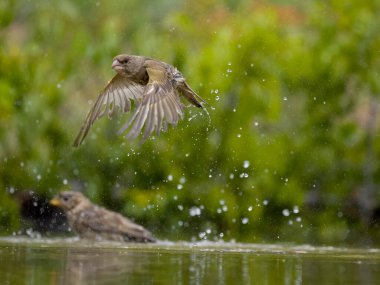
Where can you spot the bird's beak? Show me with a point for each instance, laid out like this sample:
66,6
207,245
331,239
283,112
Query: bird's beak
116,64
55,202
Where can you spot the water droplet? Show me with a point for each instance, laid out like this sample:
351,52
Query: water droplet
194,211
286,212
244,221
246,164
182,180
285,98
256,124
170,177
243,175
265,202
192,117
250,208
65,181
296,210
216,91
180,207
217,98
179,186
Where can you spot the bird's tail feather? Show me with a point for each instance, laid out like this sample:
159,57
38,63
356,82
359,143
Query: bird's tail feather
191,96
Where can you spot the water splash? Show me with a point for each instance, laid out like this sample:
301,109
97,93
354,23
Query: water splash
192,117
208,115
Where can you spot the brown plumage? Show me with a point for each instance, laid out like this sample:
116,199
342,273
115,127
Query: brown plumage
94,222
153,85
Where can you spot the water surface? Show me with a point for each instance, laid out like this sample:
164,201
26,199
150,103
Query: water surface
71,261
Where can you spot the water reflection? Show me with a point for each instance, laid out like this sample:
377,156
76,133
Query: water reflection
81,263
84,266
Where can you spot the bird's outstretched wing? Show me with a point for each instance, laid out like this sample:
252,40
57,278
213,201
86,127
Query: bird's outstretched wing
160,104
116,95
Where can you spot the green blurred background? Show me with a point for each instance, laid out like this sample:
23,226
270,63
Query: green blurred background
290,153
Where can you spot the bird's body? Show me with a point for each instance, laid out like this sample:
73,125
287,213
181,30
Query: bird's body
97,223
153,85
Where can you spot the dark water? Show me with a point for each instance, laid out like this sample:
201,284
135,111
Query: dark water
71,261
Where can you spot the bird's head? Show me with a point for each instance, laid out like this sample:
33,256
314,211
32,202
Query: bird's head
68,200
126,64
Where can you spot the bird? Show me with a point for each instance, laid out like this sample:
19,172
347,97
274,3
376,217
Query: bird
154,87
94,222
37,214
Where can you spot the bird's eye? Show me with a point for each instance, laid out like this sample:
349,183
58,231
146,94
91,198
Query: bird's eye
124,60
65,199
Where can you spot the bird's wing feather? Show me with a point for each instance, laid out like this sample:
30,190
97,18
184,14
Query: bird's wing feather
115,96
104,221
160,104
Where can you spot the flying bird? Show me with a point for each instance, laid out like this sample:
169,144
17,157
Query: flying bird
153,85
97,223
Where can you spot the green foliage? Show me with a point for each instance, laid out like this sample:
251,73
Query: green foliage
291,128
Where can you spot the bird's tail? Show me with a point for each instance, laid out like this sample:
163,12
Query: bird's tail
191,96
